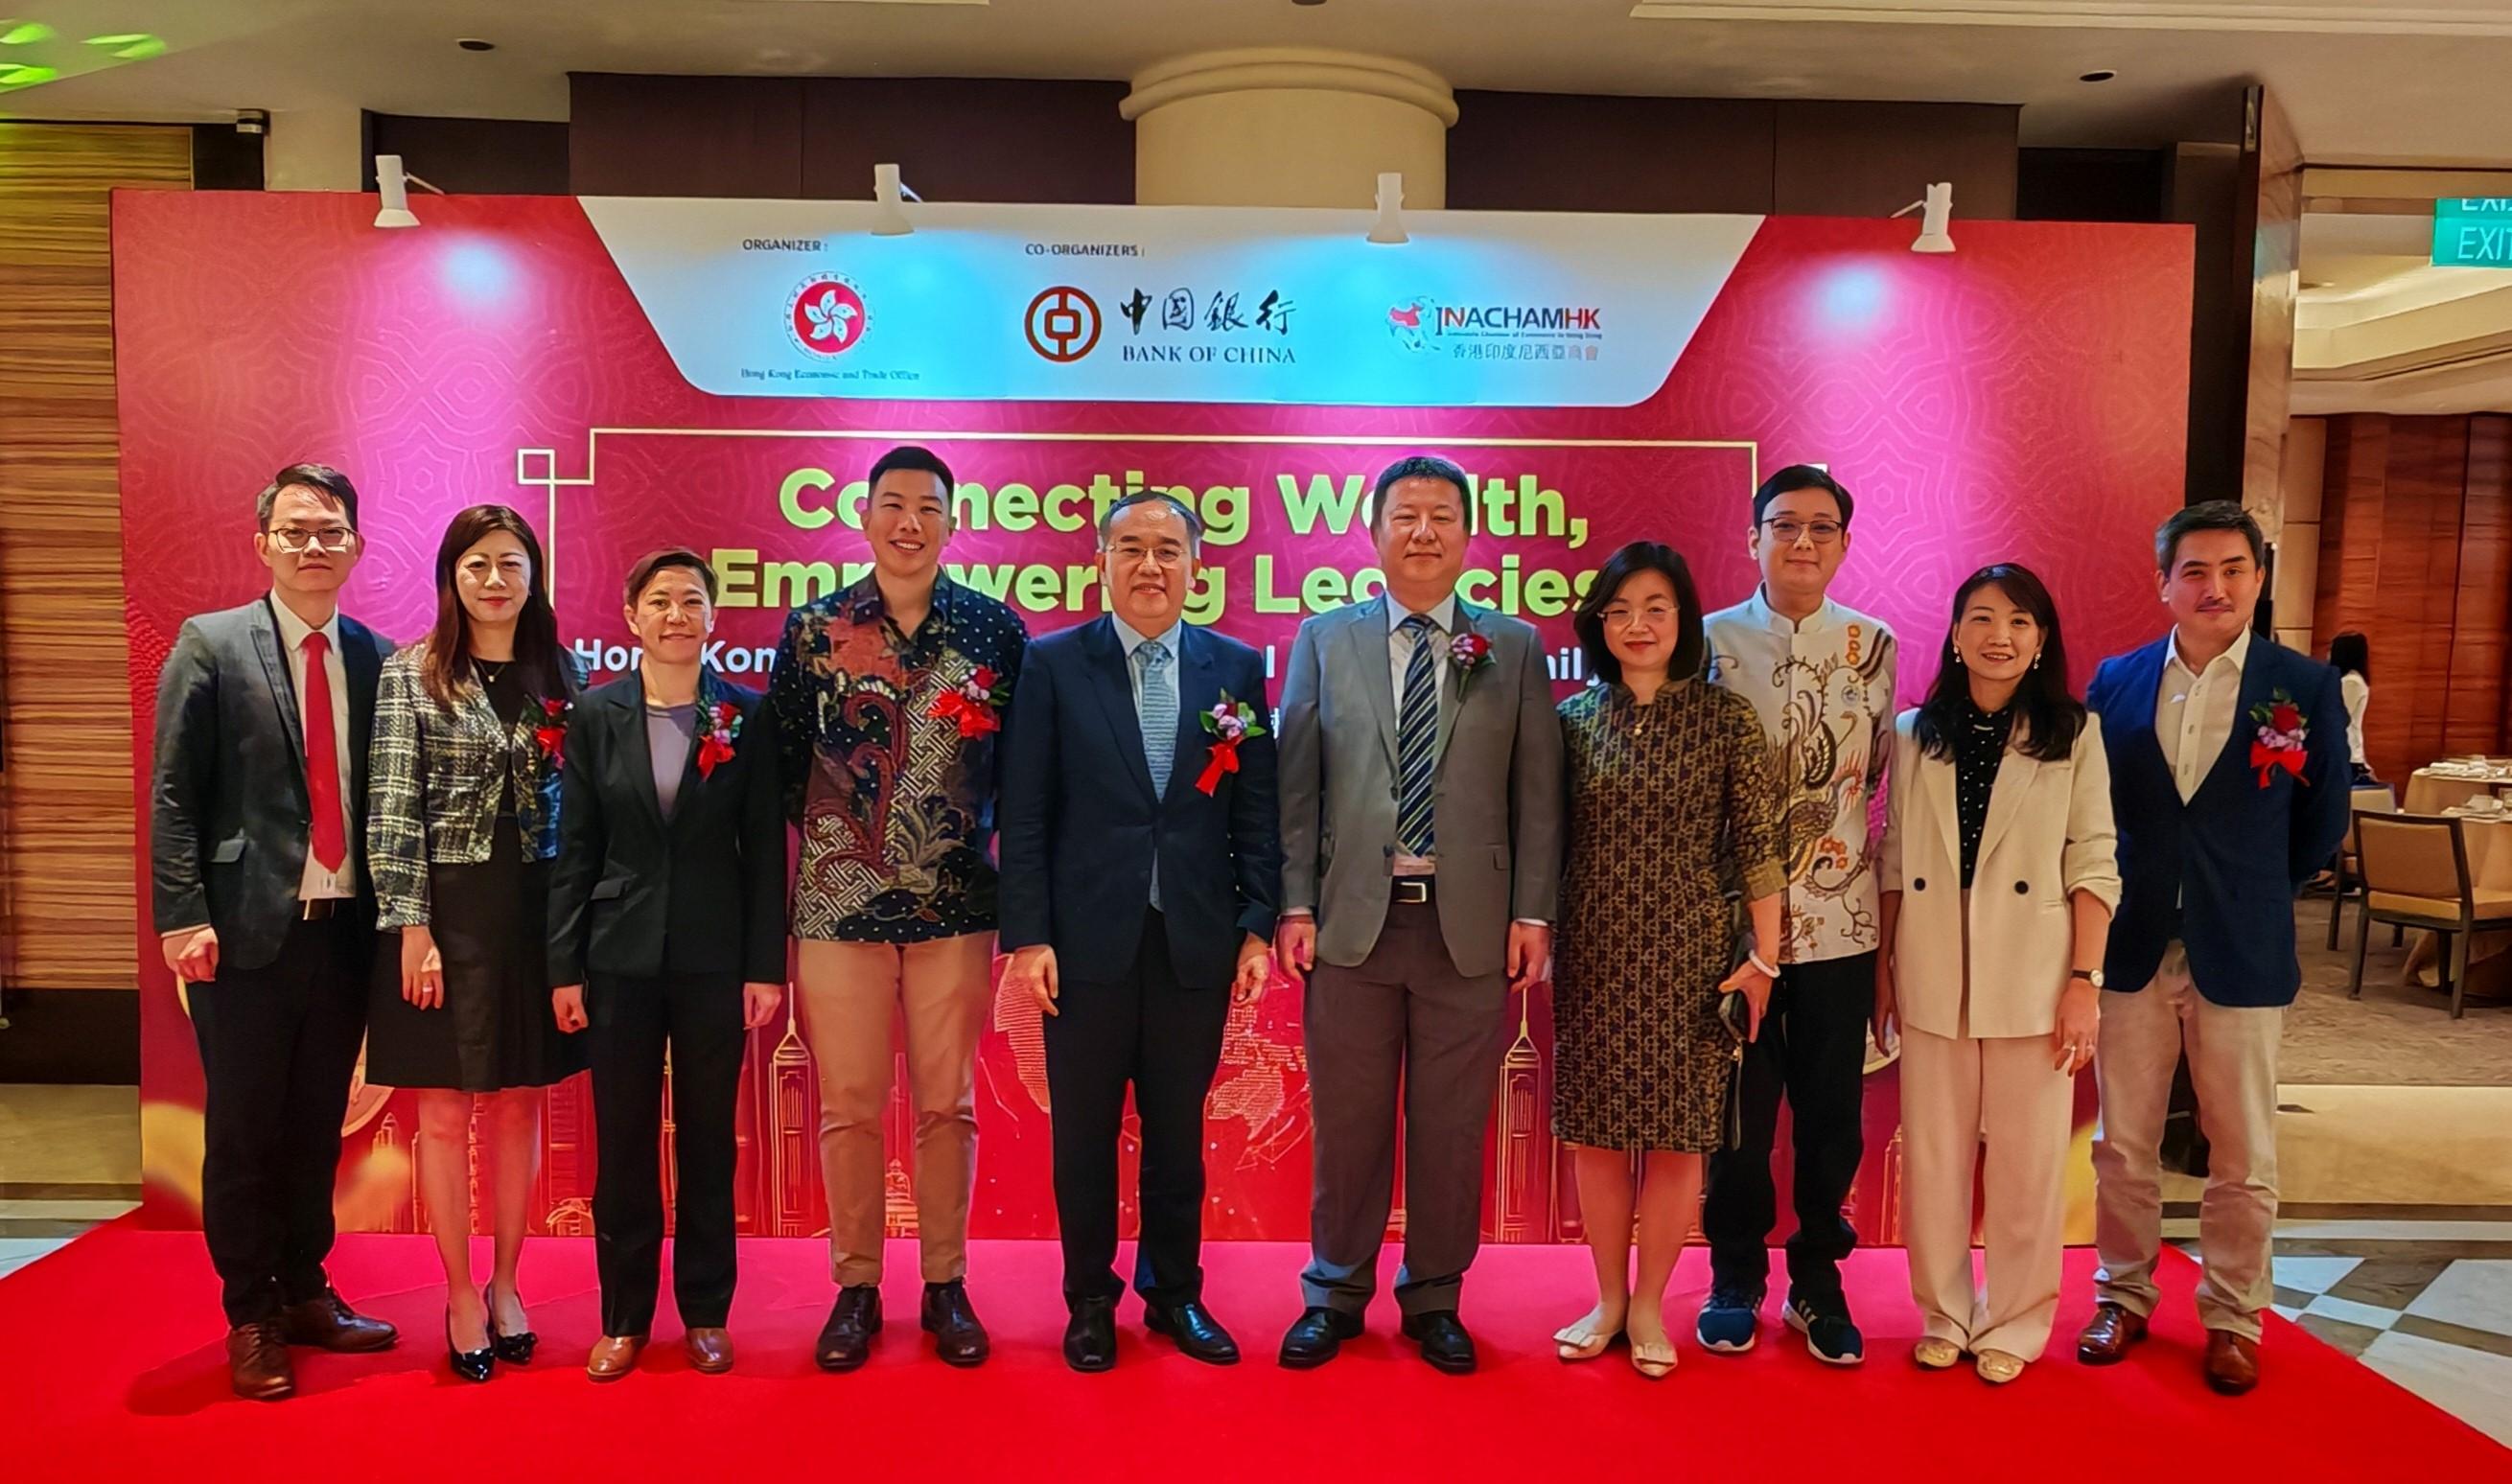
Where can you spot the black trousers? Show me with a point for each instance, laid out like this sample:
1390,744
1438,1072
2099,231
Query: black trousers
1813,1050
278,1044
1164,1041
632,1022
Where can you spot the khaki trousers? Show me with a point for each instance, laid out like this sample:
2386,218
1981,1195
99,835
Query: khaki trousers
1957,1094
2232,1063
852,994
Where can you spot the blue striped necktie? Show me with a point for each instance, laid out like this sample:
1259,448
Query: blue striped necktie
1417,735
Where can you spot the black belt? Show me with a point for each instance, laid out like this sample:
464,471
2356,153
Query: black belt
1412,891
323,909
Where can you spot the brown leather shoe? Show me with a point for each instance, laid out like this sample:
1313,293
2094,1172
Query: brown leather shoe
615,1356
710,1349
2232,1362
328,1324
258,1362
2107,1338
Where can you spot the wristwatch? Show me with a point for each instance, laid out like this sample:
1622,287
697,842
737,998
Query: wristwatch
2092,977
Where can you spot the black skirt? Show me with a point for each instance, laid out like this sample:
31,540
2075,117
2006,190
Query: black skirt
495,1030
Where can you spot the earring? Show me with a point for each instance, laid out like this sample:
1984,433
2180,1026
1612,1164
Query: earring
1957,658
2036,661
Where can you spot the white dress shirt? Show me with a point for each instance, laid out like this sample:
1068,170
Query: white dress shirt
319,883
2194,711
2357,693
1399,655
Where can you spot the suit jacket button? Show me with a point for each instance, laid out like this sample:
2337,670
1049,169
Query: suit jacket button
1919,884
2023,890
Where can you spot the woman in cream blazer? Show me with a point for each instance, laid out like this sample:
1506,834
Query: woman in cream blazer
1999,877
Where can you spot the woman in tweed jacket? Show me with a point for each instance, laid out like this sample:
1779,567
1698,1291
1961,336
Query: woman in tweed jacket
470,727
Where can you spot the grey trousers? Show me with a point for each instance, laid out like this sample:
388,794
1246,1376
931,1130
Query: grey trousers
1403,1017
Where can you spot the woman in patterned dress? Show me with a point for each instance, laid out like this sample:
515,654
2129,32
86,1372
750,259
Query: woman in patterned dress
1674,805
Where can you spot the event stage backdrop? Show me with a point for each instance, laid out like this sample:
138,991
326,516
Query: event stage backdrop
630,374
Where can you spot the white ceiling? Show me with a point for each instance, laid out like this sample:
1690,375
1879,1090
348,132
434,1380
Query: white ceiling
2363,82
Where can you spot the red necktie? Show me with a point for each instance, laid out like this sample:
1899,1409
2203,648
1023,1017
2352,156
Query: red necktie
322,760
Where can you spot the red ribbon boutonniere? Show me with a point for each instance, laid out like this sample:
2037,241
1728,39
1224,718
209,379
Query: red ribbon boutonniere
972,704
724,728
1228,722
1469,652
551,734
2279,741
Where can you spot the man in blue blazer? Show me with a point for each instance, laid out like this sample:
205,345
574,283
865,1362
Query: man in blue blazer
1142,866
2230,783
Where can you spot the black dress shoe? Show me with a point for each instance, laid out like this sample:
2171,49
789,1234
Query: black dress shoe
471,1365
515,1348
1443,1340
1199,1335
958,1336
1090,1336
845,1341
1318,1336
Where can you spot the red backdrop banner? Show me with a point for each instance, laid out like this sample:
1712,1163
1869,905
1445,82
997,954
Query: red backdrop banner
2023,399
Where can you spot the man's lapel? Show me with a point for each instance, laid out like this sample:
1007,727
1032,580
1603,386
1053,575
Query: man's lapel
276,672
1198,687
1364,634
1107,662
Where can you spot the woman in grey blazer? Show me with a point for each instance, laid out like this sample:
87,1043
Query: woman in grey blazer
462,820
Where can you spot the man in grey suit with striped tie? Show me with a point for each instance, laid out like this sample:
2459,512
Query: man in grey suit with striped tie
1421,786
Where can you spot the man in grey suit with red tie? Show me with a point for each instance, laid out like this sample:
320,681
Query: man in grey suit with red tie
257,799
1421,804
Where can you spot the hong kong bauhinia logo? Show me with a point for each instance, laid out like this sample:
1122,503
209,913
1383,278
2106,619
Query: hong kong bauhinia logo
826,315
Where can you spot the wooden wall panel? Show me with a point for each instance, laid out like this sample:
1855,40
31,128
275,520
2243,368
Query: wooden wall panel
1871,159
2482,622
685,136
67,835
1571,152
969,139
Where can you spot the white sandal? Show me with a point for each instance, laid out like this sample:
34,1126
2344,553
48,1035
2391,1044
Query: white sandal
1573,1352
1654,1361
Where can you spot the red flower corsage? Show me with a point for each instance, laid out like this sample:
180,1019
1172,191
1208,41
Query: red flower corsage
724,728
2280,740
1469,652
1228,722
972,704
551,734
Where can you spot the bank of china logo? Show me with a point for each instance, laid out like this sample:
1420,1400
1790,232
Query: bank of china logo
1062,324
825,316
1413,323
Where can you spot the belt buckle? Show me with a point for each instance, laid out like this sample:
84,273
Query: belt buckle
1413,890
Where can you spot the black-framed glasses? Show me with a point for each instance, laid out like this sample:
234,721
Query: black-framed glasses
296,540
1787,532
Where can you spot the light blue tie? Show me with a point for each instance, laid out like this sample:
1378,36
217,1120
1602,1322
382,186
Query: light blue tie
1417,735
1156,710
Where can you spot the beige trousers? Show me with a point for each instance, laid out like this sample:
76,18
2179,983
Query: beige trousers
852,994
1959,1093
2232,1063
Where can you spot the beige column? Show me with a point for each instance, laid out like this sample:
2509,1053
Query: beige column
1288,125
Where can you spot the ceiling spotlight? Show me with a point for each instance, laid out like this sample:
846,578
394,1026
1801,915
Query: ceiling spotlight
2097,75
393,183
889,217
1388,228
1934,212
475,44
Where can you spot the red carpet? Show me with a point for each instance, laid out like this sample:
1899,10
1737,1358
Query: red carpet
112,1366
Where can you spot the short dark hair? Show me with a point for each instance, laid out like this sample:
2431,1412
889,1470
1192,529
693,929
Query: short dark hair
1141,498
2351,653
908,456
2205,515
1638,557
1420,466
2050,715
1796,477
324,480
663,560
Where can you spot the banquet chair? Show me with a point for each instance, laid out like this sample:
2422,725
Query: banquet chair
2347,868
2415,875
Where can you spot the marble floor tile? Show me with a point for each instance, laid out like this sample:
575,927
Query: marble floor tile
2367,1316
2312,1275
2471,1385
75,1134
2475,1294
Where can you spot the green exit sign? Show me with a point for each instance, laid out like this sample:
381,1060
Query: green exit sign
2473,232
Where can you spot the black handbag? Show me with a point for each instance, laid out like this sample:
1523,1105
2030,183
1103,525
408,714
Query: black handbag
1737,1016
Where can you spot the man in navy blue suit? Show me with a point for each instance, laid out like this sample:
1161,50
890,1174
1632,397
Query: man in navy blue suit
2230,783
1142,866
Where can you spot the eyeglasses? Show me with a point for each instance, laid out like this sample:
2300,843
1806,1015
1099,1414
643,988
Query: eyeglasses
1623,616
296,539
1787,532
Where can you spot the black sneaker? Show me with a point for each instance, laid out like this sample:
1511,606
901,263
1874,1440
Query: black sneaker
1729,1319
1831,1337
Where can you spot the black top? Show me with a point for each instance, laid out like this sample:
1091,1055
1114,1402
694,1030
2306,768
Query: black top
1979,746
